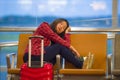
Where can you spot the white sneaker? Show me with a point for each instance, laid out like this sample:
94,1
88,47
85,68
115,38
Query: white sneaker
91,61
88,61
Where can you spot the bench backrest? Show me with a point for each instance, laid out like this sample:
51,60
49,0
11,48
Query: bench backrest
117,52
23,41
94,43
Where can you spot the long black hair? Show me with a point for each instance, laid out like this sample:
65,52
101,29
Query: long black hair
54,24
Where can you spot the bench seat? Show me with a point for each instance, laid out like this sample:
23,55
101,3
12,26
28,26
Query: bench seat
85,44
83,71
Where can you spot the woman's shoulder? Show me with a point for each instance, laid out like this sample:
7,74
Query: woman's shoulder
44,23
42,26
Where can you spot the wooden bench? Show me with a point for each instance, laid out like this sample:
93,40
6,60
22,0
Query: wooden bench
116,58
85,43
13,69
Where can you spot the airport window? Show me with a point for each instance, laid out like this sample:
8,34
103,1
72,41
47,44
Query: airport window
80,13
118,13
30,13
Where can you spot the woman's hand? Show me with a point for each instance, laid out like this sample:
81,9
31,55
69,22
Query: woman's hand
75,51
68,30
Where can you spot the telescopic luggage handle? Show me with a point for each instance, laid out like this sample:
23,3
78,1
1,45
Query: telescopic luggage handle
42,50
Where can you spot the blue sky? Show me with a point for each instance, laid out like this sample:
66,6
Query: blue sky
68,8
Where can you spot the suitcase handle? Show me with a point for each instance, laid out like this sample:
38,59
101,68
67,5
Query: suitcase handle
42,50
36,37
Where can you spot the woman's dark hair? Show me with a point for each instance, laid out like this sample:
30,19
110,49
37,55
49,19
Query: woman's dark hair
54,24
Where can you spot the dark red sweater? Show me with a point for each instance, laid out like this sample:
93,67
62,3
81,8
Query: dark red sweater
45,30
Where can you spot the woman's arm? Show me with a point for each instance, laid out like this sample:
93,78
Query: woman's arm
71,47
74,51
45,30
67,35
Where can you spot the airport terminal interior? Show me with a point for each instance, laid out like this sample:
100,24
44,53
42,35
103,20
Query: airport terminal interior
95,32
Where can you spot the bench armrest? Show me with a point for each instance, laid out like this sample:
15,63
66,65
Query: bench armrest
11,60
58,61
109,63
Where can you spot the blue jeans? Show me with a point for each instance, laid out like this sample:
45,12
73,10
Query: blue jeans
53,50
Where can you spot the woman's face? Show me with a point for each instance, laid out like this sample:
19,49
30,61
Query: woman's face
61,27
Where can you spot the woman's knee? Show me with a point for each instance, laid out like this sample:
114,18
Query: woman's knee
61,46
25,57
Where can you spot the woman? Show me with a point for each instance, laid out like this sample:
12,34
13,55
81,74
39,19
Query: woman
56,41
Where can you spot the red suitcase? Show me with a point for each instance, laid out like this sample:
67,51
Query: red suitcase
36,70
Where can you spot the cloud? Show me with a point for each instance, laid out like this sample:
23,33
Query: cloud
98,5
41,6
25,4
52,6
57,2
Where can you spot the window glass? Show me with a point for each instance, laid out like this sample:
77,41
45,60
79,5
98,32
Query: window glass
118,13
30,13
80,13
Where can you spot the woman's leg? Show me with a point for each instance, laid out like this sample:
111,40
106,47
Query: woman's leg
70,57
52,51
33,57
55,49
